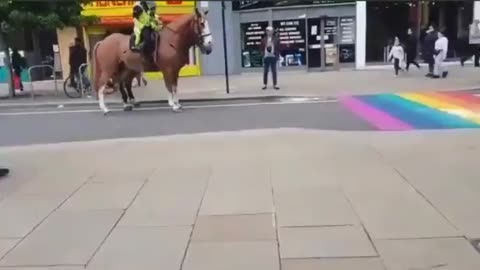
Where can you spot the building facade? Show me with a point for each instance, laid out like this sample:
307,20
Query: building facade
323,34
315,34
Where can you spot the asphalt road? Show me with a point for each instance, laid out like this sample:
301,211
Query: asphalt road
24,126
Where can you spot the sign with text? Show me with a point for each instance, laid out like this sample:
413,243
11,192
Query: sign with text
253,33
130,3
290,31
347,30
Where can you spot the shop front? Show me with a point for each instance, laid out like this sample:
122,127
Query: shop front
116,16
316,36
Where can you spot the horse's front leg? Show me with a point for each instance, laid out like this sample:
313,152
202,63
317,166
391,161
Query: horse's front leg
171,85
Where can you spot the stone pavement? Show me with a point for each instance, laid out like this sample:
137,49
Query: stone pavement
293,198
293,83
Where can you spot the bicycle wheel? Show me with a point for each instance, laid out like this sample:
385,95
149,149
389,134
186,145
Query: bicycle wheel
70,91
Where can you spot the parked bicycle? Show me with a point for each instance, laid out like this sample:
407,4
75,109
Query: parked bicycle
81,87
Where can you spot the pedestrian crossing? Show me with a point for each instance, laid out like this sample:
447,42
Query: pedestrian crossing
414,110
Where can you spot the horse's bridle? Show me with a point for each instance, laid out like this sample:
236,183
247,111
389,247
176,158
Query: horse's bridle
198,30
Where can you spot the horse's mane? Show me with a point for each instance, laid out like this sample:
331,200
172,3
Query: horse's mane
181,22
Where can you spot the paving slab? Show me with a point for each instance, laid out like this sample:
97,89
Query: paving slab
71,238
22,213
103,196
455,189
402,213
122,173
146,248
440,253
313,207
333,264
232,228
232,255
167,202
6,245
324,242
301,173
237,190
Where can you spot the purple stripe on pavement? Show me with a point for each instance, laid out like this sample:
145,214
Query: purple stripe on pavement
377,118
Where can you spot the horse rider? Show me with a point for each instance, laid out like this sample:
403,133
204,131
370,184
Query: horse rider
144,17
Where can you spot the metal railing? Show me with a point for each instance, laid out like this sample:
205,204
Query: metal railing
31,78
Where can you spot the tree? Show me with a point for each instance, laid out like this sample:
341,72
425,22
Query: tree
42,14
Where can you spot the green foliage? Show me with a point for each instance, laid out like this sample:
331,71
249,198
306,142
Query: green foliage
45,14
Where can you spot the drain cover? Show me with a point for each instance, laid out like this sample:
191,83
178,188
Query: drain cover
476,244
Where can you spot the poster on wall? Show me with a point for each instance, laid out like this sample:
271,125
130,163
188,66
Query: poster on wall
291,34
252,34
347,30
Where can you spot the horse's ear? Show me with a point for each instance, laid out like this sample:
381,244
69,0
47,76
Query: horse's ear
206,12
198,13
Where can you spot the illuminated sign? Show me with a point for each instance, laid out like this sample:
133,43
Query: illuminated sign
130,3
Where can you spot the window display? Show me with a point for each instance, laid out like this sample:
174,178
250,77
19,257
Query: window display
291,34
252,34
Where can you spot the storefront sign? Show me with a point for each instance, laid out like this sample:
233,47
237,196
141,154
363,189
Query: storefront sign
123,8
290,31
347,30
130,3
252,34
331,26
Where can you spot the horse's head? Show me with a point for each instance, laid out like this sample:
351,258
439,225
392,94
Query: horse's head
202,31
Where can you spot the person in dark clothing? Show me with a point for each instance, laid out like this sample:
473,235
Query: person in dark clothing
4,172
429,49
411,49
270,49
78,56
18,64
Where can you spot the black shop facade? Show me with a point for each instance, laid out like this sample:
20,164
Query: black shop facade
313,36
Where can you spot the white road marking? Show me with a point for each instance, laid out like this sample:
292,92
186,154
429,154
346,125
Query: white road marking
168,108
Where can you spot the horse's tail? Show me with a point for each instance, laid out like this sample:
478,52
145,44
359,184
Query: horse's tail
96,72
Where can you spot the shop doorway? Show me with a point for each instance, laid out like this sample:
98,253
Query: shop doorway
322,43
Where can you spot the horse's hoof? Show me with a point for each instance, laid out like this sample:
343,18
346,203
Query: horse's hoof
128,108
105,113
177,109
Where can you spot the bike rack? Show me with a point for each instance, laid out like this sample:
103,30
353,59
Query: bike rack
29,71
80,72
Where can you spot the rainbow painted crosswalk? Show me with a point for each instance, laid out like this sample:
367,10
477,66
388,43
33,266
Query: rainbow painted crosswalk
409,111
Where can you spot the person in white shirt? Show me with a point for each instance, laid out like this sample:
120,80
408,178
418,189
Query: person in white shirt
396,54
441,50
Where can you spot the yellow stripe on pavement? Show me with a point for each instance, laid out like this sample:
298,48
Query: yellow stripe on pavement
442,106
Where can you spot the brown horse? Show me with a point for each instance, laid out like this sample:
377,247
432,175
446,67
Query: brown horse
113,59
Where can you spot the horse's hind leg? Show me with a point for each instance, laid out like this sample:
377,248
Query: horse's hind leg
104,77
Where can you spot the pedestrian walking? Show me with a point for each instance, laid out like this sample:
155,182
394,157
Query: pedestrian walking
18,64
441,50
411,48
396,55
429,49
4,172
270,48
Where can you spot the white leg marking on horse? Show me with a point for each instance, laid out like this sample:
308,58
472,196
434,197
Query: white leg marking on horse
171,100
101,99
176,104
